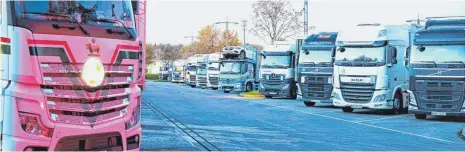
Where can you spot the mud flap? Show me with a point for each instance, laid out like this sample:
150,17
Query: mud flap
405,98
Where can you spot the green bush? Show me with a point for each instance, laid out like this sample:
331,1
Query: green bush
152,77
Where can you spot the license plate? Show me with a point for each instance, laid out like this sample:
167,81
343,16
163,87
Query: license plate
272,92
356,106
315,100
438,113
227,89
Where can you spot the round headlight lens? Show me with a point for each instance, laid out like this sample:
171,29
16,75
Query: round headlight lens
93,72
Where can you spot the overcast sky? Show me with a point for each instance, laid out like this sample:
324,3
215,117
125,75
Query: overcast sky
170,20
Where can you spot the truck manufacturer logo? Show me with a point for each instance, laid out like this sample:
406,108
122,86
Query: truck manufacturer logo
273,75
356,80
439,72
93,48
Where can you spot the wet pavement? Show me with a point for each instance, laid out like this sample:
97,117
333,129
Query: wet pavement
178,117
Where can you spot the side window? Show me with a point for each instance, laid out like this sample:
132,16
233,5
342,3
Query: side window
245,68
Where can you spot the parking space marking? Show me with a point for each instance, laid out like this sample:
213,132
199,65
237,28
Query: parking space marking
389,117
355,122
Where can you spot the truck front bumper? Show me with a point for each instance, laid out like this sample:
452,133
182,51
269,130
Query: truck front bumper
85,138
306,99
235,88
461,114
338,101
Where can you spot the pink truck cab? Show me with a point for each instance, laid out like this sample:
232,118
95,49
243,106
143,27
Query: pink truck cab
69,74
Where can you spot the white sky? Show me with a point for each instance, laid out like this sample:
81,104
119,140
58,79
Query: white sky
170,20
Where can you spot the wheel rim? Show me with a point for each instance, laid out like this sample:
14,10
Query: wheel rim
249,88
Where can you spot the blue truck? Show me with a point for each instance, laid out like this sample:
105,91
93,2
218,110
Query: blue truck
436,68
315,68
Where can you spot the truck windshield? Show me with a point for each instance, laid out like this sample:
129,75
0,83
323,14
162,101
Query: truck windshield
439,53
85,12
179,68
276,62
366,56
214,66
230,68
191,68
315,56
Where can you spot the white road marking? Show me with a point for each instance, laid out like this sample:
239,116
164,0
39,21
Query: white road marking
393,130
388,117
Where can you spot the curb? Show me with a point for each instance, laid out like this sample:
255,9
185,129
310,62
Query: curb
259,96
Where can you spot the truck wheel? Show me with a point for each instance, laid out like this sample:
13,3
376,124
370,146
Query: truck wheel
192,86
420,116
248,87
214,88
242,55
269,97
226,91
310,104
347,109
398,104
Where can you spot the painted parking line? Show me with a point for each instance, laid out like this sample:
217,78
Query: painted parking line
355,122
385,118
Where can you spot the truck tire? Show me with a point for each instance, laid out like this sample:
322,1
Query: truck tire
293,92
268,97
420,116
226,91
248,87
348,109
192,86
242,55
310,104
214,88
398,102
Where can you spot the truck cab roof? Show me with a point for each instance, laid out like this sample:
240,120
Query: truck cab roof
441,31
322,40
374,35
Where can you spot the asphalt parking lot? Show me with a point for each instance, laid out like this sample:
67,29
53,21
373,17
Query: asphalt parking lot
178,117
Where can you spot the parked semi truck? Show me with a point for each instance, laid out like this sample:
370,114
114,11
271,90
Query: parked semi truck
213,70
315,68
164,72
277,69
67,83
238,74
201,76
367,71
177,76
437,69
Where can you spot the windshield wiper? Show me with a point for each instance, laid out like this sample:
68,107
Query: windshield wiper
107,20
70,18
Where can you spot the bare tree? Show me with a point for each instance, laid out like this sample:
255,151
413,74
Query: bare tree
256,46
275,20
168,53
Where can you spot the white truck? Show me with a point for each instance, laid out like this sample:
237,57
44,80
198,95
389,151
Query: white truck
367,71
213,70
177,75
277,69
201,76
192,66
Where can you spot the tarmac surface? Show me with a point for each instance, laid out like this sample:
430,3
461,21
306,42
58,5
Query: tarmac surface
178,117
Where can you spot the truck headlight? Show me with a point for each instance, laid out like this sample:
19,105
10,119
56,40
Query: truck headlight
413,100
380,98
330,80
282,78
302,79
238,85
336,96
286,86
93,72
261,86
32,124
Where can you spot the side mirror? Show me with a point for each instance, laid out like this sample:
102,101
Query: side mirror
407,56
421,48
262,54
394,55
341,49
333,52
306,52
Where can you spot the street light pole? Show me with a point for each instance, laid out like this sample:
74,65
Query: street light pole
244,24
227,27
